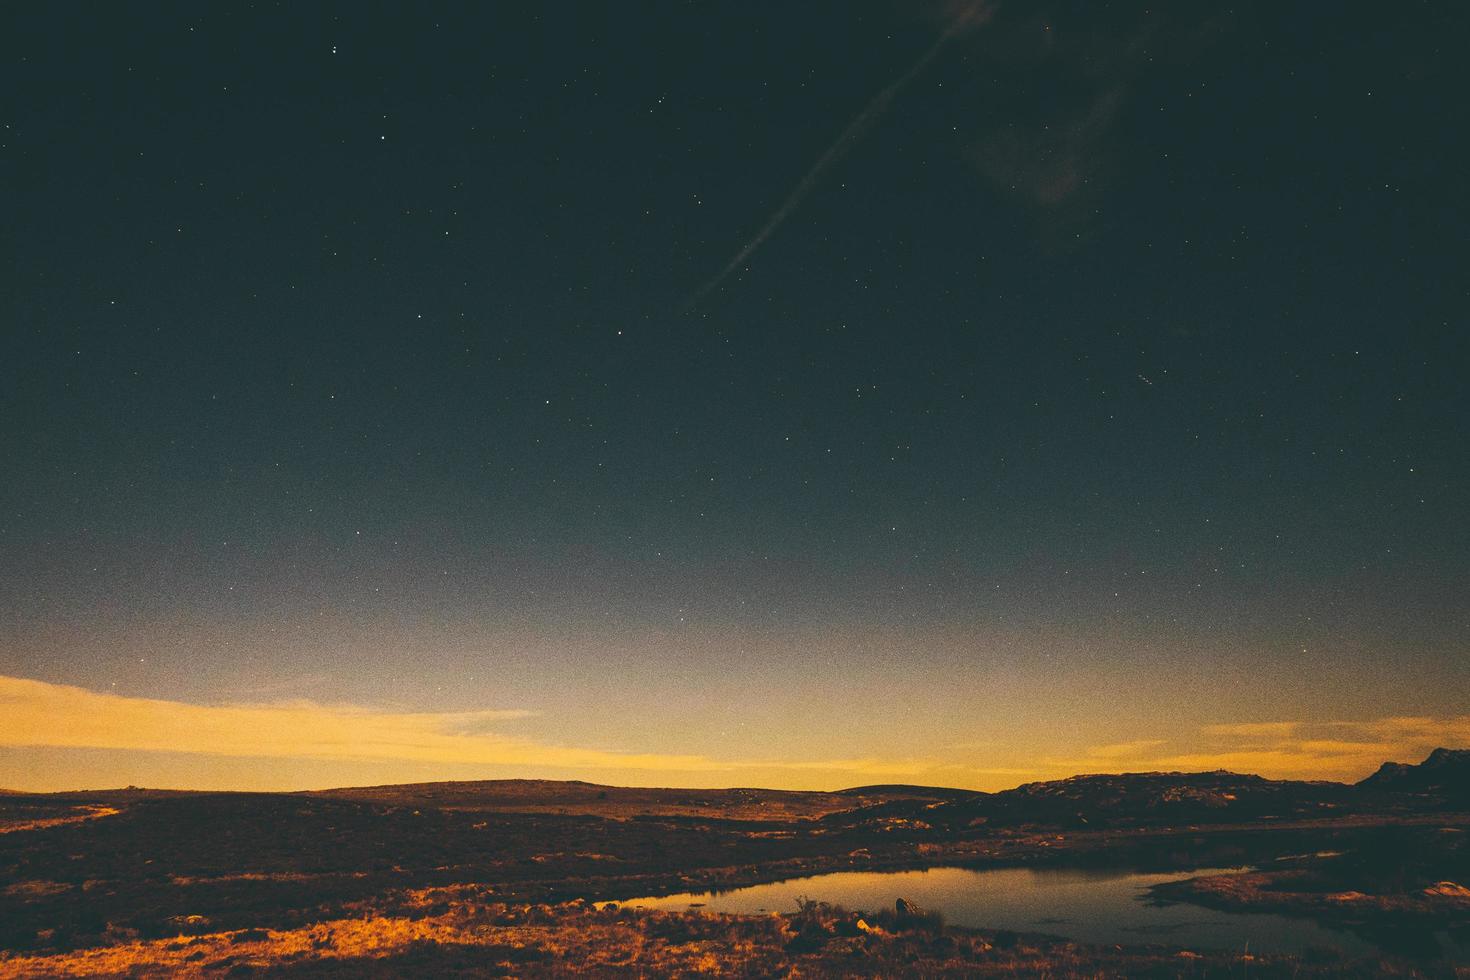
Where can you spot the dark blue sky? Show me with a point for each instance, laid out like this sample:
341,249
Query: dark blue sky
351,343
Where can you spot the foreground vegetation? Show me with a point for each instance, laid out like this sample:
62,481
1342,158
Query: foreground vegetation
456,935
479,878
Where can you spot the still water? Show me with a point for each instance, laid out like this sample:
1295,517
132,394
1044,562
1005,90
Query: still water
1087,906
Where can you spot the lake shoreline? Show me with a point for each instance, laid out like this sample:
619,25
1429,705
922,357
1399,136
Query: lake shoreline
184,867
1068,904
545,940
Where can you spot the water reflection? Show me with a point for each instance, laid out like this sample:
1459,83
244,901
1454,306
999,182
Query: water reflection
1093,906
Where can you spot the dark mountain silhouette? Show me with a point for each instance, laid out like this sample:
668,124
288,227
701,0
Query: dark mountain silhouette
1113,801
1170,798
917,792
1118,801
1176,799
1443,777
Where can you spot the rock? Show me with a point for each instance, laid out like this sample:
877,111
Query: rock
907,909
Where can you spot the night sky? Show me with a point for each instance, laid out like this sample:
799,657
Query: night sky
1086,391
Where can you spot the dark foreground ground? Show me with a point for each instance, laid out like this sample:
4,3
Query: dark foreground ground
474,939
510,877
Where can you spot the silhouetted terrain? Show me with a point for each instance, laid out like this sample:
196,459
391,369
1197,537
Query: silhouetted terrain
92,870
1136,800
1443,779
543,795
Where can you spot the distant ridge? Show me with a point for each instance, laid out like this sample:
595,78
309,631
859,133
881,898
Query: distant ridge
1444,774
906,789
1442,777
1161,799
567,797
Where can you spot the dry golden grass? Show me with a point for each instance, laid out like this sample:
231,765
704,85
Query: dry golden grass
478,939
576,937
80,814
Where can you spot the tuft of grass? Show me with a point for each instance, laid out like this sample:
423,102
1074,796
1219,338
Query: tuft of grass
909,918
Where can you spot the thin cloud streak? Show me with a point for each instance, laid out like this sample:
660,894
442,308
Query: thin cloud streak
1261,729
38,715
35,714
1124,750
1337,750
976,13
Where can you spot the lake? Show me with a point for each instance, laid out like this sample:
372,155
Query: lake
1088,906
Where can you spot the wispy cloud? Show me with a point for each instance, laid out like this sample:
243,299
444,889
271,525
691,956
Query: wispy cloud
1255,729
1124,750
36,714
1340,750
1058,148
288,686
1453,732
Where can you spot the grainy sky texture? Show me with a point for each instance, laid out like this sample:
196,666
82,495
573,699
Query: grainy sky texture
730,393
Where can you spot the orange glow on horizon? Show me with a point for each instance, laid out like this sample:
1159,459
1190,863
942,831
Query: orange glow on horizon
302,744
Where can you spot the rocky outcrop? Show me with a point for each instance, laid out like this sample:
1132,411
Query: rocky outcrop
1443,777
